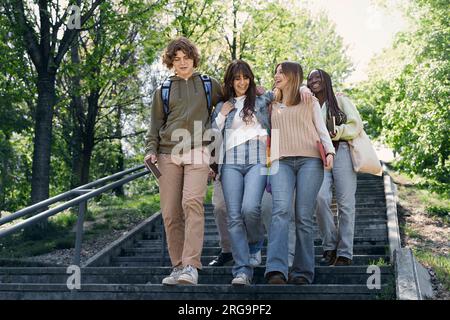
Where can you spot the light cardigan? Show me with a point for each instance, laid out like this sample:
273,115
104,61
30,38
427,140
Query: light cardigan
299,130
353,126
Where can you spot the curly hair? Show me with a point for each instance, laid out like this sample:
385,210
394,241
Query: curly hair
184,45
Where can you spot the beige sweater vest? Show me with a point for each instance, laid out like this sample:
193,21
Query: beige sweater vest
297,132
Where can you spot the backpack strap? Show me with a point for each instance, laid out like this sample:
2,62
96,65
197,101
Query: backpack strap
207,85
165,94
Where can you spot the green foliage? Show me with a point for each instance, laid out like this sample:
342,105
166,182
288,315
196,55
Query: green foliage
108,214
439,212
406,98
439,263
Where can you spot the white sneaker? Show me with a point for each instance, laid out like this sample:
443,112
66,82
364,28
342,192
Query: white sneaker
189,275
173,278
241,280
255,259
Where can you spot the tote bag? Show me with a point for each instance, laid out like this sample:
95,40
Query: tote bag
364,158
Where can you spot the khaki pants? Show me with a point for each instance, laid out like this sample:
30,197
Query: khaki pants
182,187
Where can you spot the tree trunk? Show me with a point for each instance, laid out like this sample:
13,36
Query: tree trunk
40,177
121,159
43,137
89,135
76,106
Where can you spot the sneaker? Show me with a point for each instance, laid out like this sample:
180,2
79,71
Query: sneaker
255,259
343,261
189,275
172,279
329,257
241,280
276,277
223,259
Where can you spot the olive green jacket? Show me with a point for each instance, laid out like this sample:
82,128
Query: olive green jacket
188,109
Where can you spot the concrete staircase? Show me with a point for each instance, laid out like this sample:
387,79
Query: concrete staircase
134,266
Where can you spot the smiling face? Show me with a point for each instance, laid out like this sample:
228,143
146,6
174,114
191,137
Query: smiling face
315,82
280,78
241,84
183,65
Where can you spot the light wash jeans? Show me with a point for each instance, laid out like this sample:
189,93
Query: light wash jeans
305,175
243,186
345,181
266,212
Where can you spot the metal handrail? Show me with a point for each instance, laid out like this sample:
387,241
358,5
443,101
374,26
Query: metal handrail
45,203
80,200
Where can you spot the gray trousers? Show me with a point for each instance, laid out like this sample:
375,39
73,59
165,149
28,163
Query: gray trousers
343,177
220,215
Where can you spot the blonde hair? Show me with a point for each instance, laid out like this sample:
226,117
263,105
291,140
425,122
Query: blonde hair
294,74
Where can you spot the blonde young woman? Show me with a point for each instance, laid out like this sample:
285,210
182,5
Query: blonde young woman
298,167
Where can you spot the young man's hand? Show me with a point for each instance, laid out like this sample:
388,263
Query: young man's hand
152,158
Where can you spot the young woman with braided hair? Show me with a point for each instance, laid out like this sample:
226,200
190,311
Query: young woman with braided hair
337,242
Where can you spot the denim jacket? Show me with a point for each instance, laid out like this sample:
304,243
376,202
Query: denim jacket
261,111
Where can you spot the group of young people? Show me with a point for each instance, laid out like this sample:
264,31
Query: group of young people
268,148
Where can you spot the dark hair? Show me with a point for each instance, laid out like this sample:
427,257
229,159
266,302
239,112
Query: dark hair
294,73
184,45
330,97
234,69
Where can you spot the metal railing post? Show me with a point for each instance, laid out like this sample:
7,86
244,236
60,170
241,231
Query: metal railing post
79,236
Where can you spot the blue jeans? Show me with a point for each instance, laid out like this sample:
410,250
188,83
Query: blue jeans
243,186
305,175
345,181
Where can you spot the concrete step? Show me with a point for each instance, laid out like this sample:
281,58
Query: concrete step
211,228
141,261
208,275
198,292
210,222
212,234
211,251
366,240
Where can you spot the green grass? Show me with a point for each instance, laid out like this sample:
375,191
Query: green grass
389,292
107,214
440,212
209,191
413,190
410,232
439,263
380,262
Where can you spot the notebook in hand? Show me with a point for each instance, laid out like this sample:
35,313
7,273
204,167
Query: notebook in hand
152,168
322,153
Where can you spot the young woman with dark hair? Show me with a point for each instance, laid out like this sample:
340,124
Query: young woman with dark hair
337,243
